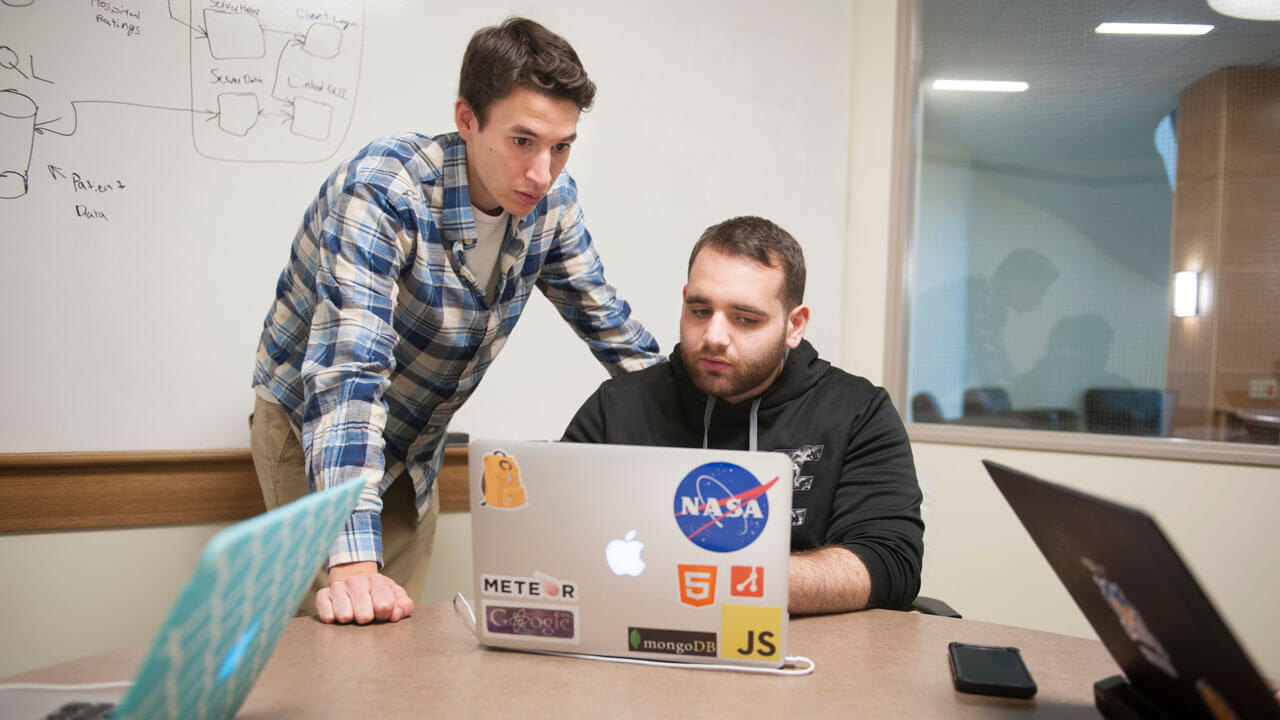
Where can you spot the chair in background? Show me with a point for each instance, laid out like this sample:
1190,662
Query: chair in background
1128,411
924,408
991,406
985,401
923,603
933,606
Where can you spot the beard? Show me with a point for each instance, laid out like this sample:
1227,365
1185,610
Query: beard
745,375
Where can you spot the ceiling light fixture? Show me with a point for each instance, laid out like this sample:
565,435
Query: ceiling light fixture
1006,86
1248,9
1116,28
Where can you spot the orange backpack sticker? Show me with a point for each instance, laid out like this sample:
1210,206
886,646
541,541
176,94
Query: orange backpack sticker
500,485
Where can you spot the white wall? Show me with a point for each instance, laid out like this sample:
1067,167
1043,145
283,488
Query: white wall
138,332
704,111
73,593
700,117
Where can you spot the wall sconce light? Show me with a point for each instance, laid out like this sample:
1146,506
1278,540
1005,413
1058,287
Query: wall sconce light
1186,293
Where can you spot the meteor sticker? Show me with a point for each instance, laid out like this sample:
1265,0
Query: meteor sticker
539,587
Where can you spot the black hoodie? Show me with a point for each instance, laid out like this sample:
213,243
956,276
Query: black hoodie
855,483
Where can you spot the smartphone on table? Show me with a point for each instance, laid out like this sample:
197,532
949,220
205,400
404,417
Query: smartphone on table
990,670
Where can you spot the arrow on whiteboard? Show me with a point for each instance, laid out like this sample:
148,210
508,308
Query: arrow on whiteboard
199,30
56,172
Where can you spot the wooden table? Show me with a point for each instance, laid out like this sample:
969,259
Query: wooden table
875,663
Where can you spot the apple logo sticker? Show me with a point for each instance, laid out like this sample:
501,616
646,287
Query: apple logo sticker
623,555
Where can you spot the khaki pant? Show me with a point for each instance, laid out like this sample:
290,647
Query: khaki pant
406,540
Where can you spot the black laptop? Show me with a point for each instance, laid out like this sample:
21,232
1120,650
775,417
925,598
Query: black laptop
1178,656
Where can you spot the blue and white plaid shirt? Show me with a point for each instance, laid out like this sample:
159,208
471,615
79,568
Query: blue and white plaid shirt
379,331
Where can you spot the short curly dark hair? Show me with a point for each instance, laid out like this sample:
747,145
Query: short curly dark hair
521,53
764,242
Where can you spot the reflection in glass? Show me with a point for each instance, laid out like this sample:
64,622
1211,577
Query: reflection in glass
1049,224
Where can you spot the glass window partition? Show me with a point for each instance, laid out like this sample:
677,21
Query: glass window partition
1096,234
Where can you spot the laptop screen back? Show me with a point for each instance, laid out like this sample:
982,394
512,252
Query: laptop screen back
657,553
1140,598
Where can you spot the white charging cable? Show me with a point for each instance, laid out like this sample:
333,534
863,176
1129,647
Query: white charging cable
796,664
55,687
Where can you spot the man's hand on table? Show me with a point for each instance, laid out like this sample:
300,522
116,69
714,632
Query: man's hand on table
358,593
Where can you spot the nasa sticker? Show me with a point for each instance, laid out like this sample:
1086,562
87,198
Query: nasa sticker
722,507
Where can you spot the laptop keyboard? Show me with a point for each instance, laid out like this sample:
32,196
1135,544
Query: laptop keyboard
82,711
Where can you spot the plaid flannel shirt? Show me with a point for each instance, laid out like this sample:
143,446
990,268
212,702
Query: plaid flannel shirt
379,331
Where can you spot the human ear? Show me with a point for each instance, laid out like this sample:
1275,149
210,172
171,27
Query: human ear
797,323
463,117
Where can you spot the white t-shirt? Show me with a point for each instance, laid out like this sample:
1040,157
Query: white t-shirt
483,258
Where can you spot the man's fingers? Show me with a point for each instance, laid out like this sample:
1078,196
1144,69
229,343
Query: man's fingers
358,593
405,601
340,597
403,605
324,606
363,599
382,597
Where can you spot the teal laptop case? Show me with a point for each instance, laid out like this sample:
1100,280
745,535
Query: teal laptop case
244,591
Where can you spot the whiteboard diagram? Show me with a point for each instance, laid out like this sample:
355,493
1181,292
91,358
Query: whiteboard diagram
280,78
269,81
17,128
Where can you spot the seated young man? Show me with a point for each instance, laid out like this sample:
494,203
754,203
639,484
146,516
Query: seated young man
744,378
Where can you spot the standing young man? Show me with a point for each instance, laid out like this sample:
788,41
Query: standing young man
405,279
744,378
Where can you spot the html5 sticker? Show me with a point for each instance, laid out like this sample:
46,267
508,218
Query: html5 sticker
697,584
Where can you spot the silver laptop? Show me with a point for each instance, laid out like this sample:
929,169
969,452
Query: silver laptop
670,554
225,623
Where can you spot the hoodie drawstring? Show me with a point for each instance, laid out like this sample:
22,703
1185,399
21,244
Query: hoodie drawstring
753,433
706,419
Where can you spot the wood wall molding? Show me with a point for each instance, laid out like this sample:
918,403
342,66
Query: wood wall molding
66,491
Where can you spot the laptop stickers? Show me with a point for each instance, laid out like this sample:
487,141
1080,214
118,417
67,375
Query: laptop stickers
500,486
697,584
632,551
750,632
722,507
542,622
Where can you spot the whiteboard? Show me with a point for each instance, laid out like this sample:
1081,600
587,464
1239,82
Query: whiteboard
156,157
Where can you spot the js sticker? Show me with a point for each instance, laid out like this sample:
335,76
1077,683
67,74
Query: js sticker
750,633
